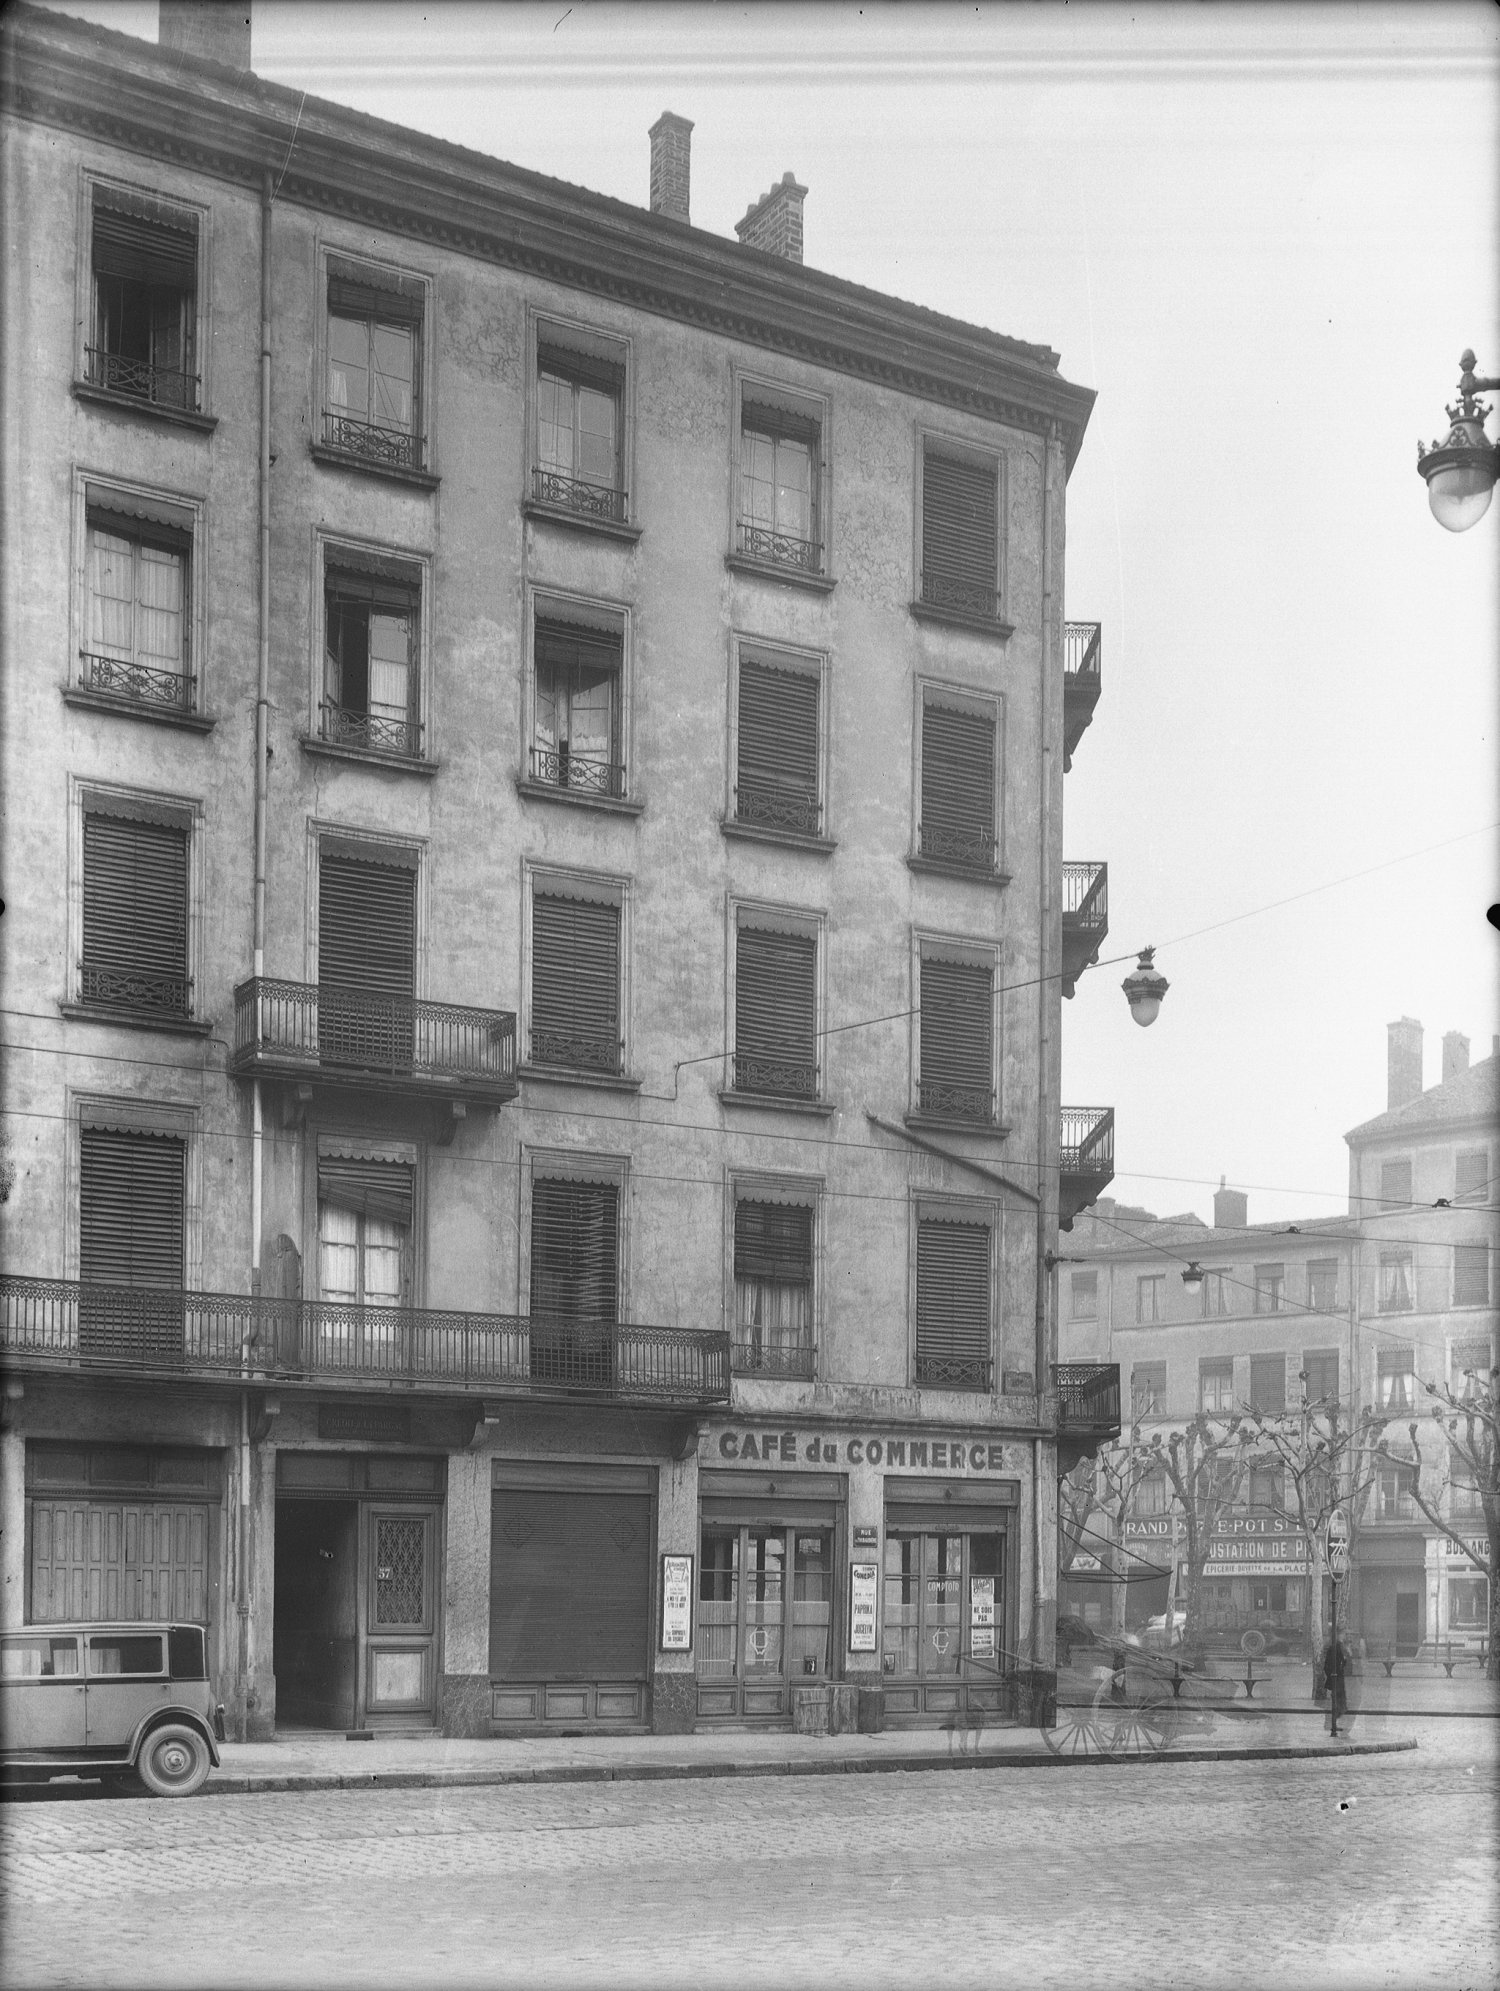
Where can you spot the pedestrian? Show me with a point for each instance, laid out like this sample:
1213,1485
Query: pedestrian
1335,1670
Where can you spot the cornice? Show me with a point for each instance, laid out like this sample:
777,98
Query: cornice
204,118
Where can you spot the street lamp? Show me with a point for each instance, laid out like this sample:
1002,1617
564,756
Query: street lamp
1193,1277
1461,472
1144,988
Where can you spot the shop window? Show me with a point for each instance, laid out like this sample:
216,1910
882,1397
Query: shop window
773,1288
1396,1282
1083,1294
1270,1283
776,995
576,734
1320,1375
953,1304
930,1610
956,1036
145,299
1468,1604
1395,1185
367,955
1270,1596
575,976
579,464
1471,1275
1148,1389
373,409
372,630
575,1274
1268,1383
753,1624
1218,1294
777,747
1395,1380
1471,1174
135,909
958,801
1216,1386
1150,1295
137,610
779,512
960,550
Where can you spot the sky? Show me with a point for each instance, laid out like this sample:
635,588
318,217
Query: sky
1264,235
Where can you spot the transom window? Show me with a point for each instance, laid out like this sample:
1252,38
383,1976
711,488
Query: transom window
960,534
956,1049
779,487
953,1303
577,727
145,298
777,746
958,786
372,624
579,459
773,1288
136,594
375,370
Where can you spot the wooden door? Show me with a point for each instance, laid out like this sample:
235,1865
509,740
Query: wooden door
398,1677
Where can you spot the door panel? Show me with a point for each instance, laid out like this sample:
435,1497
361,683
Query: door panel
119,1559
398,1626
41,1692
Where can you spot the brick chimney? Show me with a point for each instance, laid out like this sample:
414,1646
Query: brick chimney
1455,1054
1403,1062
671,139
213,30
774,223
1231,1208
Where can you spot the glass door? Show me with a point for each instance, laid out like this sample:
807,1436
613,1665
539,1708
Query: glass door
399,1630
756,1629
943,1640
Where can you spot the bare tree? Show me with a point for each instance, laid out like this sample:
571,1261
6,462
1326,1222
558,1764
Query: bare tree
1205,1463
1099,1490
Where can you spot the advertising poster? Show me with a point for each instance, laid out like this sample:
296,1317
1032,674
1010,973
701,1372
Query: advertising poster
677,1603
982,1617
862,1607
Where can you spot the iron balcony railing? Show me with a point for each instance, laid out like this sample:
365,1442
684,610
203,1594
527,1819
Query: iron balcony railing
141,684
775,1361
578,1050
135,994
68,1325
1086,896
373,732
1081,649
779,549
372,442
1088,1141
775,1078
1088,1398
775,805
957,1102
297,1030
954,1372
974,849
163,386
572,494
560,767
960,597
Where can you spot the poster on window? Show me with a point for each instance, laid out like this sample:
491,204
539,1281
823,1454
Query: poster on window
862,1606
677,1603
982,1617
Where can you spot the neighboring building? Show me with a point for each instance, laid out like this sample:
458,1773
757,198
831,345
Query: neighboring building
536,913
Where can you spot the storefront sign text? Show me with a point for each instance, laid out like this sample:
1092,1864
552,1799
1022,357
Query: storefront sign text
788,1448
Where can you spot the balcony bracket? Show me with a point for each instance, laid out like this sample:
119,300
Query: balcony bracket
445,1125
264,1420
487,1414
682,1438
13,1391
294,1104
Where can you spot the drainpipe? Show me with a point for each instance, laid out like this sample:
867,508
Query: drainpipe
1047,1104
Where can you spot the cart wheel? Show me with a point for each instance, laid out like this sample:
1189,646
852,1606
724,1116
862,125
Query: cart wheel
1133,1728
1075,1733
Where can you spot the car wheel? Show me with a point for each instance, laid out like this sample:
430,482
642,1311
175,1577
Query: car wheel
174,1761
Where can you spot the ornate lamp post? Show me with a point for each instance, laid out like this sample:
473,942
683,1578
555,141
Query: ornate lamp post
1461,471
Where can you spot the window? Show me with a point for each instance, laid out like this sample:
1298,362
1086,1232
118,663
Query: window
1395,1282
778,503
575,975
1152,1493
1268,1383
1084,1293
1323,1284
1395,1493
1266,1488
367,955
956,1035
1216,1385
778,752
773,1288
1395,1185
953,1302
1320,1374
580,389
1218,1294
364,1230
575,1270
1395,1380
775,1006
1150,1294
145,299
577,737
1270,1281
1148,1389
136,633
132,1195
373,409
1471,1173
372,651
1270,1596
932,1630
958,783
1471,1275
960,514
754,1625
1471,1364
1468,1603
135,909
125,1653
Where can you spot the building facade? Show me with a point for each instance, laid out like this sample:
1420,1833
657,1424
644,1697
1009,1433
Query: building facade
534,750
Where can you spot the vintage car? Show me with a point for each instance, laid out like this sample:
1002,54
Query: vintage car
109,1701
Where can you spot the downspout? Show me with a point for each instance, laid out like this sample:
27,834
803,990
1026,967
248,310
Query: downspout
1047,1106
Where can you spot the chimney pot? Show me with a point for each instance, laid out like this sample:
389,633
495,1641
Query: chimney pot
211,30
1231,1208
671,140
1403,1062
774,222
1455,1054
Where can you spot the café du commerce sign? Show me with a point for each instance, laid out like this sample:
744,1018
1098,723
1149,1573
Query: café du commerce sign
770,1445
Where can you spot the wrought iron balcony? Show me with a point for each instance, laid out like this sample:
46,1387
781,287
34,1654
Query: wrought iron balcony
62,1325
779,549
388,448
775,1078
974,849
1085,919
371,732
774,805
960,597
577,1050
572,494
954,1372
1088,1400
560,767
292,1030
163,386
1086,1159
135,994
135,683
772,1362
957,1102
1081,681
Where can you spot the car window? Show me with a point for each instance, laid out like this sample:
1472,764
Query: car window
117,1653
37,1656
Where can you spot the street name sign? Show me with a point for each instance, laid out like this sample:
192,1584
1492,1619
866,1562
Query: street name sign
1338,1544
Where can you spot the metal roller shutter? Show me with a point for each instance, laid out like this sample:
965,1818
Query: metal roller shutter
570,1585
957,1041
575,983
958,785
775,1013
960,511
953,1297
135,914
777,776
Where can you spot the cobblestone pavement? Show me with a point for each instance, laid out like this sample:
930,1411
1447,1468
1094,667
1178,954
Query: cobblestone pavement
1373,1871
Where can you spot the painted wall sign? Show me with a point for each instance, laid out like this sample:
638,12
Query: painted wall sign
1479,1547
677,1603
791,1448
863,1581
1244,1544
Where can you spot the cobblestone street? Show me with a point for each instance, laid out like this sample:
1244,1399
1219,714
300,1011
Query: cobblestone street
1367,1872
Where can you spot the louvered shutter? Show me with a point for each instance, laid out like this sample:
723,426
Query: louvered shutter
131,1197
953,1304
772,1241
582,369
958,787
159,249
381,1189
575,983
775,1013
135,914
777,775
364,300
957,1042
367,953
960,512
574,1282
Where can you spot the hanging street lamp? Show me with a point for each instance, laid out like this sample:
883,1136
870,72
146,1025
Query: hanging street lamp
1461,471
1144,988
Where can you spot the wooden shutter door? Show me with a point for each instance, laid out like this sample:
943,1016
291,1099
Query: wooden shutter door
958,787
575,984
957,1026
574,1282
776,780
131,1197
775,1013
135,915
959,546
367,963
953,1304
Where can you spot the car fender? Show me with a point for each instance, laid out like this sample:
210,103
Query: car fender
161,1717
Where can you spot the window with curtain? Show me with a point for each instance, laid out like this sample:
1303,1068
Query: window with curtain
145,285
1148,1389
1396,1282
1323,1284
1471,1363
1270,1284
1150,1293
1395,1379
1218,1293
579,433
374,371
960,526
577,741
1084,1295
779,487
135,637
773,1275
1216,1386
371,627
364,1231
958,787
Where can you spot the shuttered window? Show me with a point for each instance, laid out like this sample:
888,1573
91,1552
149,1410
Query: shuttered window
958,788
953,1304
957,1040
131,1234
577,743
775,1013
367,953
960,513
776,780
574,1282
1471,1275
135,916
575,984
145,266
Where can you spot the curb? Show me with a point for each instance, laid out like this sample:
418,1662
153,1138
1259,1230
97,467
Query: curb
629,1773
